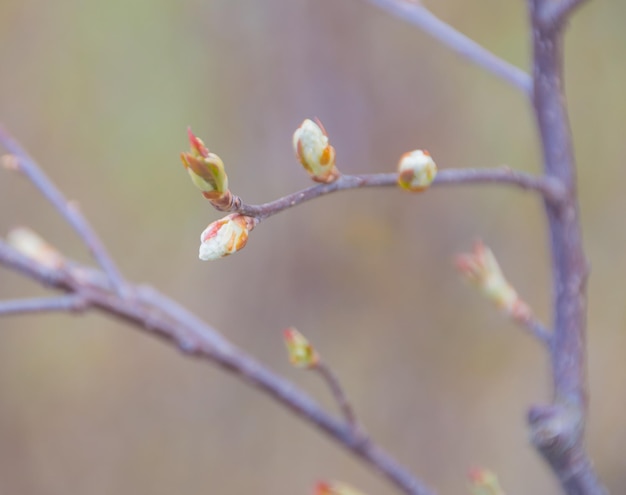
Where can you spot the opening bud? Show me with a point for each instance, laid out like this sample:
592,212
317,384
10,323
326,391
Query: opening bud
310,143
225,236
483,482
301,352
481,269
30,244
334,488
206,169
416,170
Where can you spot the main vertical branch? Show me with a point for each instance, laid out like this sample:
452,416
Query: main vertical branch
558,429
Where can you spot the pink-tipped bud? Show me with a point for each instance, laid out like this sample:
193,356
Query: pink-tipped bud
416,170
316,155
206,169
10,162
334,488
225,236
481,269
301,352
483,482
30,244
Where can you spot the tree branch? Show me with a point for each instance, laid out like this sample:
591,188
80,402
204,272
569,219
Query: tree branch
42,305
538,330
150,311
340,397
558,429
555,14
420,16
550,189
25,164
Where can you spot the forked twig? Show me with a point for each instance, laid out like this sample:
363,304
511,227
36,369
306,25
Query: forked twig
159,316
26,165
420,16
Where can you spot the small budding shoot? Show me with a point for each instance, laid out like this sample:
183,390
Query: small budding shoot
334,488
316,155
225,236
481,269
207,172
416,170
30,244
484,482
301,352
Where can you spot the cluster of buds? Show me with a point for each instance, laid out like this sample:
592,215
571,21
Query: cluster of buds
225,236
484,482
301,352
481,269
416,170
31,245
207,172
316,155
335,488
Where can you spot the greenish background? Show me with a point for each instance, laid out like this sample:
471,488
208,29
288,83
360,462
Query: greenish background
101,94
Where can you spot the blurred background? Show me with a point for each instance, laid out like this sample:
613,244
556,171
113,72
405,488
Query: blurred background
101,94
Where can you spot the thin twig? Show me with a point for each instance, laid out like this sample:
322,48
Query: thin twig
42,305
551,190
162,317
69,211
420,16
538,330
340,396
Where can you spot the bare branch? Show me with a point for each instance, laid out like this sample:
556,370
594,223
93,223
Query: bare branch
538,330
420,16
551,190
557,429
555,14
42,305
158,315
340,396
25,164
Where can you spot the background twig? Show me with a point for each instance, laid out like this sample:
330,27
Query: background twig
166,319
70,211
420,16
42,305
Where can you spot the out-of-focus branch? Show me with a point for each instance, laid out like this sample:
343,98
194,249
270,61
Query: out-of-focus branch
340,397
302,354
420,16
558,429
22,162
42,305
148,310
538,330
550,189
555,14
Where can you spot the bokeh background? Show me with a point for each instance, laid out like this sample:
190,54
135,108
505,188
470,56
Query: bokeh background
101,94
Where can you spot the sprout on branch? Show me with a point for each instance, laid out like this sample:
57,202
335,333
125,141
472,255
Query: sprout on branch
301,352
33,246
310,143
481,269
416,170
334,488
207,172
225,236
483,482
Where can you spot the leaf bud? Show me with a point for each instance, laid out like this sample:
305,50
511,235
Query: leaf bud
316,155
416,170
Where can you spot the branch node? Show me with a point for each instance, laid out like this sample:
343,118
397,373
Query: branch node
555,430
